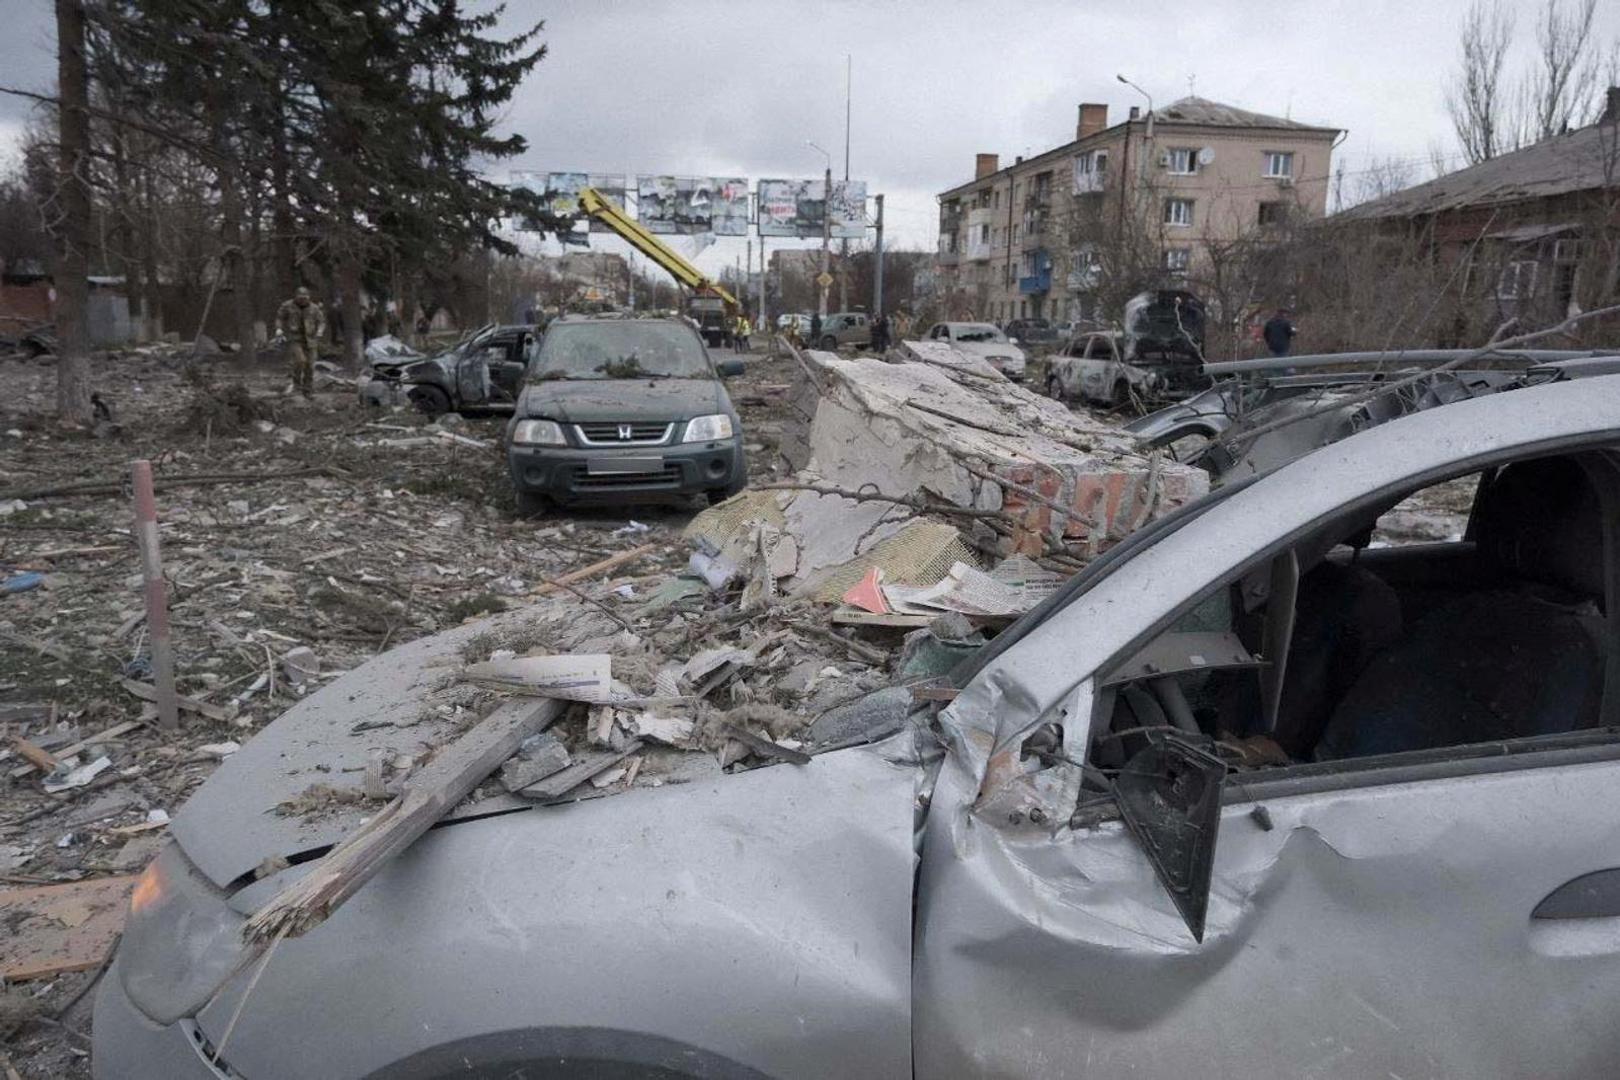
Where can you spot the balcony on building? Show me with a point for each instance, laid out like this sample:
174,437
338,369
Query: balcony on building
1040,280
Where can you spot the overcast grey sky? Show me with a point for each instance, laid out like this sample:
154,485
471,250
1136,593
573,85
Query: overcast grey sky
703,87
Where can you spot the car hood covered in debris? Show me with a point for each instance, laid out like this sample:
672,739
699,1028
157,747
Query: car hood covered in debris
673,909
584,400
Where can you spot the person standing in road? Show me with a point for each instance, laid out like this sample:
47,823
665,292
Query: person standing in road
1279,333
815,330
302,322
880,334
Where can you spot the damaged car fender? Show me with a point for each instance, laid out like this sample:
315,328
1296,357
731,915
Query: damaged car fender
671,927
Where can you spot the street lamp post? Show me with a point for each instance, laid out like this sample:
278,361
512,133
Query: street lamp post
1148,137
826,228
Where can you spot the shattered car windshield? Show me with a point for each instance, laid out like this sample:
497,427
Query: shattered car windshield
627,350
979,332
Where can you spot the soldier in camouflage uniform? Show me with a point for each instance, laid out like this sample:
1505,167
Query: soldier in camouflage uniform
303,323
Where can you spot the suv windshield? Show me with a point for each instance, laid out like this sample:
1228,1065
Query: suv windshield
620,350
979,332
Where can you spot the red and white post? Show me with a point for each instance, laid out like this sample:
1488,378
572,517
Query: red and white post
157,600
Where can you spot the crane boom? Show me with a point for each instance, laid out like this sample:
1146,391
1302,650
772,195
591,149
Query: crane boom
599,208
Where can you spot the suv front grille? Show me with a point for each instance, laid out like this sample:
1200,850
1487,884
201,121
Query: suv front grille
615,433
668,476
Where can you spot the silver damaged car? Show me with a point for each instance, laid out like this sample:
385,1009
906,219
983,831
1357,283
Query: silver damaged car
1261,792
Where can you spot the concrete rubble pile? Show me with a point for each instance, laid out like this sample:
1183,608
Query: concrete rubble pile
934,424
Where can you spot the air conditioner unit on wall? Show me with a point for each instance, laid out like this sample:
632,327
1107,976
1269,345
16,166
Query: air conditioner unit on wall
1206,155
1164,160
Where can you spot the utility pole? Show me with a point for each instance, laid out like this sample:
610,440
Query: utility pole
764,322
826,237
843,245
877,254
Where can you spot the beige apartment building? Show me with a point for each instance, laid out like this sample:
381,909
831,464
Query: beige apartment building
1158,200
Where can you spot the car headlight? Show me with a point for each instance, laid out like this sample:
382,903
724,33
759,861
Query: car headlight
705,428
538,433
181,941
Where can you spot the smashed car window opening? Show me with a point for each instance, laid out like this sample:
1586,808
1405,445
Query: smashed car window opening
1369,645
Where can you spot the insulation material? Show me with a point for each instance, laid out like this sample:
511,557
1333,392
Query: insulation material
919,553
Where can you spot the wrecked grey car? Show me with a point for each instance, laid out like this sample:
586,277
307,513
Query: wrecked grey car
483,372
1247,797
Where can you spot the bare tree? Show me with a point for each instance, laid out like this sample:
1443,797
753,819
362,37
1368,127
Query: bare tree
1560,88
72,222
1477,98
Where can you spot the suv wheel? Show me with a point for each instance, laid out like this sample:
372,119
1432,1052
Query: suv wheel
829,343
532,504
1054,388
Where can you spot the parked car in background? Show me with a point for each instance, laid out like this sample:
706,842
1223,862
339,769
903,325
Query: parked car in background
1103,367
624,409
481,372
986,342
843,328
1031,333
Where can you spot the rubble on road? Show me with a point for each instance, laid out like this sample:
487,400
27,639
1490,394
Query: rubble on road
301,540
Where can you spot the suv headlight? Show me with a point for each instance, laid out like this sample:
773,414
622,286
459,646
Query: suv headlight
538,433
706,428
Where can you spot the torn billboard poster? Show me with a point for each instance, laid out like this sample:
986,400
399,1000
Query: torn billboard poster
528,180
730,208
795,208
675,204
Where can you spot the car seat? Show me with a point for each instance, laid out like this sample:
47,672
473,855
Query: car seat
1524,657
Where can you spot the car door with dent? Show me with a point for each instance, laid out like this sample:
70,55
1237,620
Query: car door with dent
1452,911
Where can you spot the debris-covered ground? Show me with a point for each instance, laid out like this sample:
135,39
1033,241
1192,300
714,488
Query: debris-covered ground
318,534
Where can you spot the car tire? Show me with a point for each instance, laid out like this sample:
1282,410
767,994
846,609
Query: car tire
1119,396
829,343
1054,388
429,400
532,504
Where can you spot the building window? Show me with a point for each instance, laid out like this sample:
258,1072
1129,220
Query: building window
1518,280
1176,260
1178,211
1181,160
1015,229
1023,309
996,199
1279,165
984,234
1273,213
1090,171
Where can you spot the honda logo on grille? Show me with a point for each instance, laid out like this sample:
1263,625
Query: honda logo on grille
624,432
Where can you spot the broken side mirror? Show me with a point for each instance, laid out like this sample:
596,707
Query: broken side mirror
730,368
1169,794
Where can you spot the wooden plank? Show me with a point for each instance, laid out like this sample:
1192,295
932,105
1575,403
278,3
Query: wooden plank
59,928
424,799
561,783
849,616
148,692
612,562
68,751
